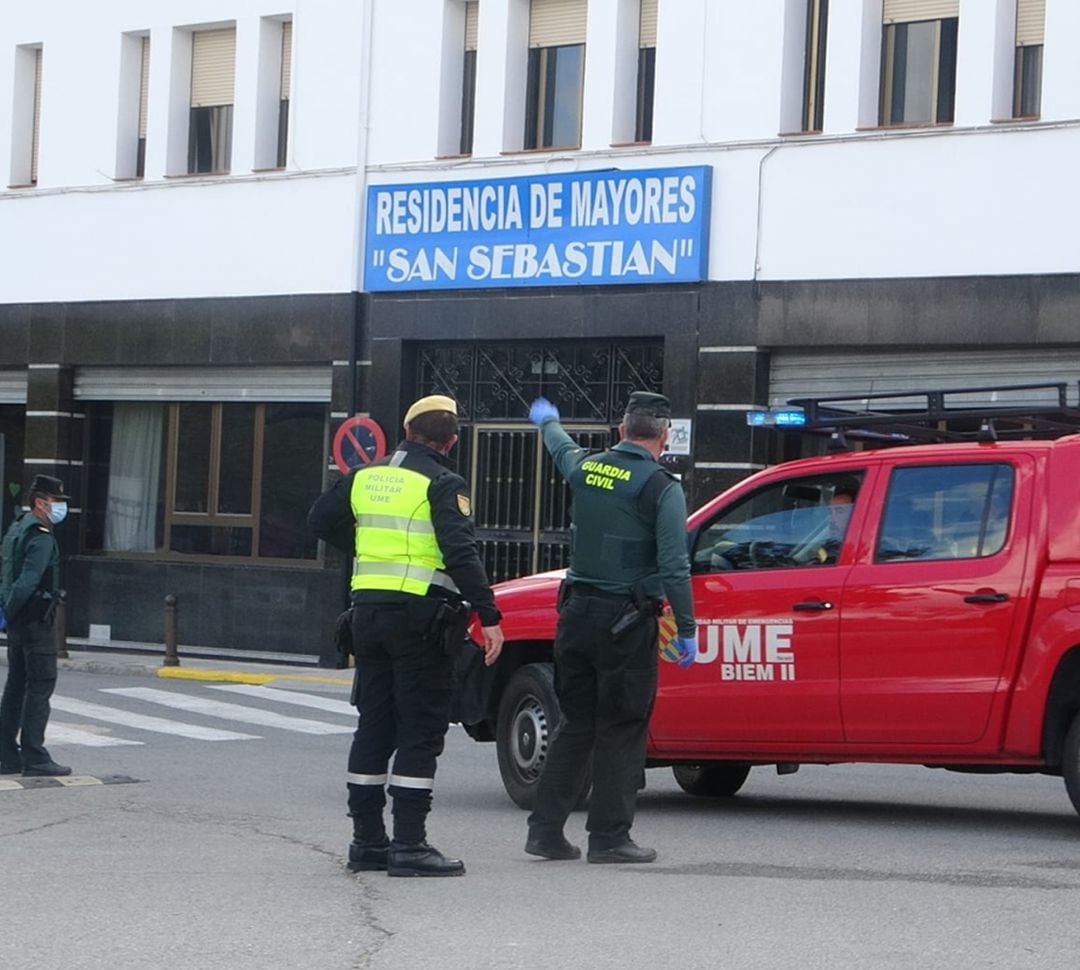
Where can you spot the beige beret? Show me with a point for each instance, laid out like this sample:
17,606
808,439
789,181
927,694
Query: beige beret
433,402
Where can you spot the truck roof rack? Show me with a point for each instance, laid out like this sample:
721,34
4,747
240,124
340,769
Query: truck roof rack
936,416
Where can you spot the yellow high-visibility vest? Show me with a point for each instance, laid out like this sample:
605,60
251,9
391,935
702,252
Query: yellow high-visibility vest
396,548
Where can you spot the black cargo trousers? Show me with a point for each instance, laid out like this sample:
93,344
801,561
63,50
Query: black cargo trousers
404,677
606,685
31,678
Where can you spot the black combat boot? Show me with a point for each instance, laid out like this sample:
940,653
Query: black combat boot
420,859
368,856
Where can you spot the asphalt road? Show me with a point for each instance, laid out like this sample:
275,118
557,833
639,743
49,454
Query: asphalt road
230,854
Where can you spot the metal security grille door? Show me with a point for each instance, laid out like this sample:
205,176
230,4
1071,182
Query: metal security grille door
521,504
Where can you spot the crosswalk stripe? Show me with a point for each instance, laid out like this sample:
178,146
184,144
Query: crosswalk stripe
57,733
160,725
290,697
232,712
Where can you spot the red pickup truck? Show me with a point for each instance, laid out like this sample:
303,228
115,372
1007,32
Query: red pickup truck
915,605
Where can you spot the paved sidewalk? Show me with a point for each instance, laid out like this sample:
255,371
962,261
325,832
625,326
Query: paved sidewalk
139,662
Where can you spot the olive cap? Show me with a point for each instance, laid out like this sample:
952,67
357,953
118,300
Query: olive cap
47,485
647,403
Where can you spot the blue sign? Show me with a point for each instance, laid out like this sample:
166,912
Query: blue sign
607,227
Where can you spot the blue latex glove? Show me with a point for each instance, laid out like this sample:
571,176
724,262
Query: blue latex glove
542,410
687,647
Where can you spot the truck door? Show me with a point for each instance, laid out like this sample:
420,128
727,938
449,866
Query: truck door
767,574
928,615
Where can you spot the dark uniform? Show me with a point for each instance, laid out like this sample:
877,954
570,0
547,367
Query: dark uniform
628,550
417,561
29,581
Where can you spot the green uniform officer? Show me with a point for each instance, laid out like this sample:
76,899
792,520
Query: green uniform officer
29,580
628,551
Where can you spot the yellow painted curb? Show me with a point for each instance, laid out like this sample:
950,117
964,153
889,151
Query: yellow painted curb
230,676
239,677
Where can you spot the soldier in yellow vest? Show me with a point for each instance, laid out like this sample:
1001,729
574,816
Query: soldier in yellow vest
417,576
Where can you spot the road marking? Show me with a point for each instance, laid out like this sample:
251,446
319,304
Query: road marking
232,712
58,733
298,698
68,781
160,725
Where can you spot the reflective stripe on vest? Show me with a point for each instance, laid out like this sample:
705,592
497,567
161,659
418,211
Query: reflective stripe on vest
429,577
396,548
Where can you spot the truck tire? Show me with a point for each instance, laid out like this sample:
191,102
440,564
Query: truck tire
528,718
711,779
1070,763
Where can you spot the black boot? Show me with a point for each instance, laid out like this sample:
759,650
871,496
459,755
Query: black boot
420,859
368,856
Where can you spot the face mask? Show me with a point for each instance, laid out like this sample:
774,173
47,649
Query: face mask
57,512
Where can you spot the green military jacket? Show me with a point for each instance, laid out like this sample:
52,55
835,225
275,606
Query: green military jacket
29,560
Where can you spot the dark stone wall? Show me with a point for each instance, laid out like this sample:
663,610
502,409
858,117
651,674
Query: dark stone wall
717,339
256,607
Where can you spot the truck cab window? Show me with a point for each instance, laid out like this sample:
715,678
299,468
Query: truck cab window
793,523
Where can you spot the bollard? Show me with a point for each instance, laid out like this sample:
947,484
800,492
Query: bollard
60,624
171,658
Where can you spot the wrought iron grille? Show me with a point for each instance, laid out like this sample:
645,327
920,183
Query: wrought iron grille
589,381
521,502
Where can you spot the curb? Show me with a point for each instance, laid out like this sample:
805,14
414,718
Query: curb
114,669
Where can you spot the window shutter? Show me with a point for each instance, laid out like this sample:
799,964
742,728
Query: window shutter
37,117
144,85
1030,22
647,27
905,11
557,23
472,24
213,60
286,59
297,383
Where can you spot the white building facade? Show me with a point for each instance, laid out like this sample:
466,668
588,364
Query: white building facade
230,224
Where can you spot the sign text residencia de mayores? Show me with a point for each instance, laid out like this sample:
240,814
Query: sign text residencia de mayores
605,227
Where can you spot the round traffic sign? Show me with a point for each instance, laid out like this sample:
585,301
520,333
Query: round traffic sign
358,441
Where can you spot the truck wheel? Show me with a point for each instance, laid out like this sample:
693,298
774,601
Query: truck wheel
712,779
1070,762
528,716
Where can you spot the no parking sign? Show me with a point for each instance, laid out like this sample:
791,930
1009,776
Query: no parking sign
358,441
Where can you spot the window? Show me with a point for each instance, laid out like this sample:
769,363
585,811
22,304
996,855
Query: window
945,512
144,93
817,20
556,73
213,59
646,76
25,116
1027,81
204,479
286,87
468,77
918,62
797,522
37,118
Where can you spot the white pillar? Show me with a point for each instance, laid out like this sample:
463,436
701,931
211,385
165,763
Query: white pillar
170,102
680,71
1061,65
502,52
611,47
743,71
852,66
984,59
245,95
